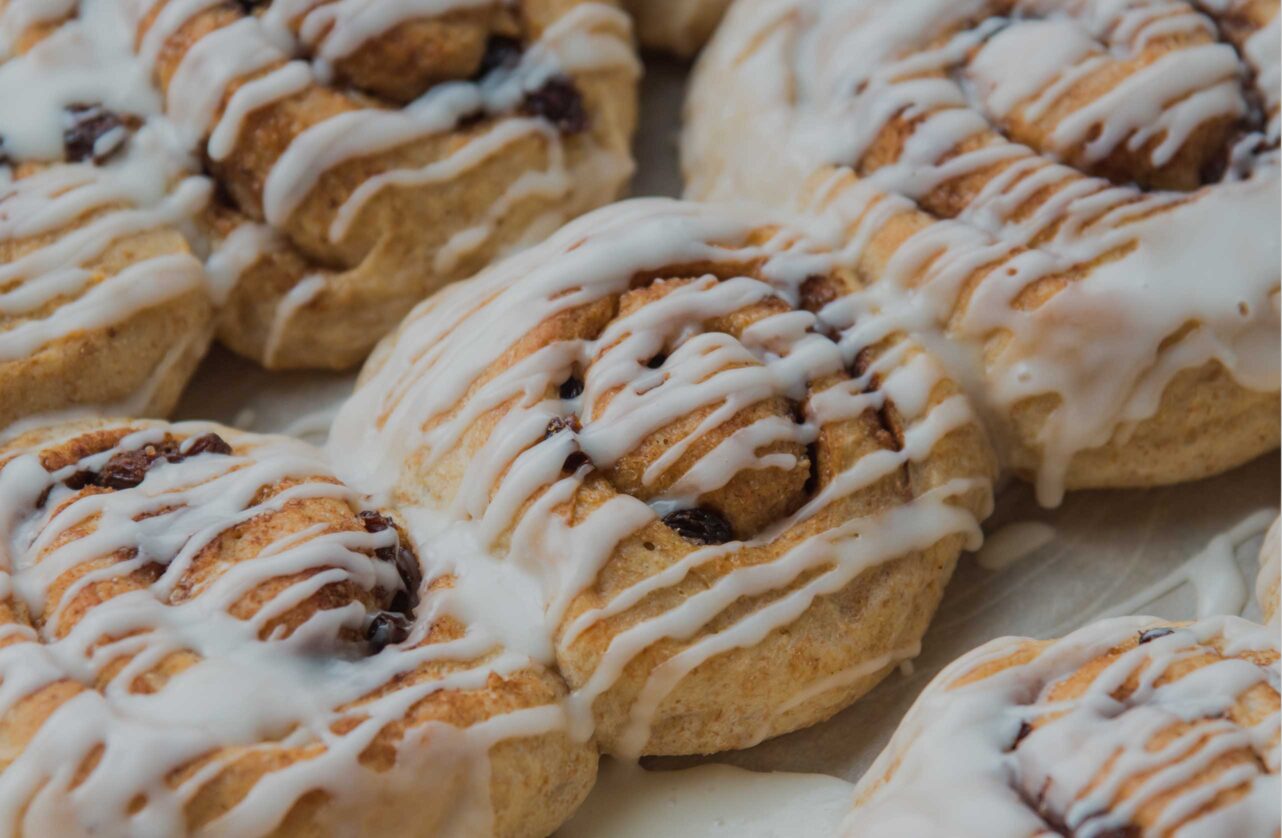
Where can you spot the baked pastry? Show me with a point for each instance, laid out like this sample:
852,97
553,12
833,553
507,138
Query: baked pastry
102,304
204,632
738,520
1045,187
367,154
677,26
1270,578
1130,726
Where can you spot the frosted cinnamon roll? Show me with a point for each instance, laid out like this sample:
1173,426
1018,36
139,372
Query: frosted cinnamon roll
102,304
1270,578
368,153
1129,726
737,519
1045,187
204,632
677,26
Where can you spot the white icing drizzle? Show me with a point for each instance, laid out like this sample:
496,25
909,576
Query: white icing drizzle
243,686
335,29
422,395
252,63
19,16
125,203
1270,578
1212,572
242,248
312,427
1013,542
589,36
810,85
297,297
53,273
246,66
951,769
62,219
88,59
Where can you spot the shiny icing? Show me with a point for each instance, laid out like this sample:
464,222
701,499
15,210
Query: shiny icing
811,86
310,691
428,385
951,769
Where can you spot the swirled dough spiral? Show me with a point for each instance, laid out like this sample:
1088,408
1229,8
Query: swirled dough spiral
738,518
1075,202
370,153
1129,727
102,304
204,632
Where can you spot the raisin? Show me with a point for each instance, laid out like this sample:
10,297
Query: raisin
1155,633
411,574
86,124
407,566
386,629
575,461
572,387
559,102
168,449
208,444
403,603
471,120
373,521
1024,729
80,479
657,361
562,423
501,53
702,526
125,470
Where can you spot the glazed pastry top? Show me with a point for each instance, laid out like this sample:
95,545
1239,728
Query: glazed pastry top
1127,726
202,629
92,183
657,362
279,103
1102,176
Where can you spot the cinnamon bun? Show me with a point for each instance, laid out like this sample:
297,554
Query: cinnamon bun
738,519
102,304
1079,198
204,632
367,154
1130,726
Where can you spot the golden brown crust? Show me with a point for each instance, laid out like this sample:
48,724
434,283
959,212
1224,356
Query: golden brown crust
405,239
1093,379
135,361
535,779
1206,421
138,362
1172,725
663,691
